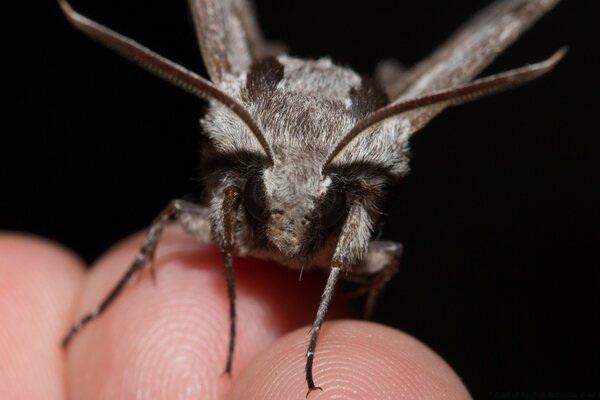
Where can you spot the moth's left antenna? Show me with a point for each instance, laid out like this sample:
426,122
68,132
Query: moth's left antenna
163,68
452,96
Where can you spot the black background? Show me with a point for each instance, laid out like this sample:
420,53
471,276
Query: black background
499,217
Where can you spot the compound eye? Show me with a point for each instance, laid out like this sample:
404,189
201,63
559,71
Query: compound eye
254,199
333,208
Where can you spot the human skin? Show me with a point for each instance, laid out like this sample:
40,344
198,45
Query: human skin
167,339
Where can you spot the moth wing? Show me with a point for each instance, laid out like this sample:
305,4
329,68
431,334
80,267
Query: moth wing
229,36
462,57
391,75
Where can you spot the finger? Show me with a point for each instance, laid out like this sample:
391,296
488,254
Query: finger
38,281
354,360
169,339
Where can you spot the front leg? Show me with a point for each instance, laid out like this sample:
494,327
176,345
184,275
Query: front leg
229,207
352,242
192,217
374,271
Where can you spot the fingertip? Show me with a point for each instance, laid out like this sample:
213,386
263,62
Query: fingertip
24,253
154,339
39,281
354,359
171,337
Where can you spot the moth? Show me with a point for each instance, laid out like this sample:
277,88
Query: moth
301,153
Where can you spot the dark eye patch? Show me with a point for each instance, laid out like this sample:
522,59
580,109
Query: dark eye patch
254,198
333,207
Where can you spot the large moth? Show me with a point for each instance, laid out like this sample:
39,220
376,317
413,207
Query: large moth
302,153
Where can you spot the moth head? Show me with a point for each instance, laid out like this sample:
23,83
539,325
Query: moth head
293,207
322,155
289,202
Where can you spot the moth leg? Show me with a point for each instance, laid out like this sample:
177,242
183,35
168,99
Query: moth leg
229,208
316,326
374,271
194,219
185,212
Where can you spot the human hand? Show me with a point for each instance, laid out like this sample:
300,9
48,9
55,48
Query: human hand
168,340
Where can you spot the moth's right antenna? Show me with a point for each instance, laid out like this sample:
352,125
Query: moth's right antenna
163,68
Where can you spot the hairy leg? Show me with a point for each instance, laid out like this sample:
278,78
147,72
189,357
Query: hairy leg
374,272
